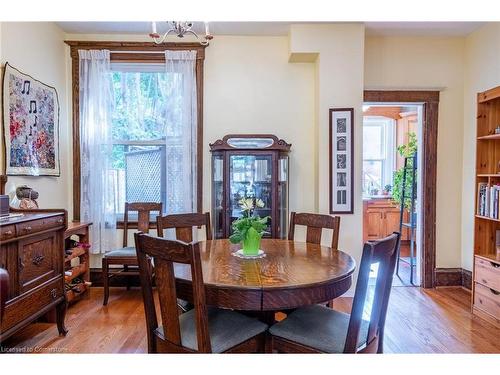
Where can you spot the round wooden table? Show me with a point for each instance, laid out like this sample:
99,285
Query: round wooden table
292,274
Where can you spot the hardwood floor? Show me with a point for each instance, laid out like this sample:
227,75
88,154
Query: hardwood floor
418,321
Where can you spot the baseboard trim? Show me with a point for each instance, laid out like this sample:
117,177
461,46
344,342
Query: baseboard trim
467,279
453,277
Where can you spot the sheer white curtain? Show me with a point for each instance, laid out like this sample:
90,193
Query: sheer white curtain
97,190
181,131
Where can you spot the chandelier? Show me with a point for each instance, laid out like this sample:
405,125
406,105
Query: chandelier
180,28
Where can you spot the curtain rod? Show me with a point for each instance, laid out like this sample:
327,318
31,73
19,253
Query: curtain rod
141,52
153,52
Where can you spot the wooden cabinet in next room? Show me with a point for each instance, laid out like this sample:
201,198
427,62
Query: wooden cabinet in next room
381,218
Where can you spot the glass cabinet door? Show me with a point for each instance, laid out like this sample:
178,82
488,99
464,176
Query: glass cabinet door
250,176
218,194
282,196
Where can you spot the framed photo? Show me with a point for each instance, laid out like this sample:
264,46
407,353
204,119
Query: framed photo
341,160
30,125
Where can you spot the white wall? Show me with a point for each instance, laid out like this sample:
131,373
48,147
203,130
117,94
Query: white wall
43,57
430,63
338,54
482,72
251,88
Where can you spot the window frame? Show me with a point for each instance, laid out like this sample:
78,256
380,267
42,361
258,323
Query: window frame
136,52
388,127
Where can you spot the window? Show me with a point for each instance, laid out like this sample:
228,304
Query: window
147,58
139,133
378,153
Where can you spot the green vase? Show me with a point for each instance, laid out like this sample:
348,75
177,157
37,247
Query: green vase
251,243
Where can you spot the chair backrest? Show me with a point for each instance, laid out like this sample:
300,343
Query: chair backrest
164,253
383,252
4,290
183,224
144,210
315,223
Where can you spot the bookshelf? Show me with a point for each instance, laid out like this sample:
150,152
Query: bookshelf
486,271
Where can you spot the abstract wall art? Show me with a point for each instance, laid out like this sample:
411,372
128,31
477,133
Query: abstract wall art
30,125
341,160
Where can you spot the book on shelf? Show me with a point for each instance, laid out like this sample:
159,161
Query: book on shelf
488,200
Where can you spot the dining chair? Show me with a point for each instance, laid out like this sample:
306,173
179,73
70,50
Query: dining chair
127,256
315,223
183,225
200,330
319,329
4,290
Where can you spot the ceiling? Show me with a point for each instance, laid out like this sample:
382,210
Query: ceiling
457,29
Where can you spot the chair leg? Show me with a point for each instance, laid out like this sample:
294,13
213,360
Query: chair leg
105,280
127,279
269,343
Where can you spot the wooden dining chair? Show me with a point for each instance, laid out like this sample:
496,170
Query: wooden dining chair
200,330
315,224
127,256
319,329
184,224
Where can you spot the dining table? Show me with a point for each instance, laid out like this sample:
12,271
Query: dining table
290,275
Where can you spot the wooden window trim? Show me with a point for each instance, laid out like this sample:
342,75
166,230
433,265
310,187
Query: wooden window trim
430,100
138,56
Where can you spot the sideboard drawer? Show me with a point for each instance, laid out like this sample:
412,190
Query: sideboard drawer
7,232
38,261
39,225
487,273
22,307
487,300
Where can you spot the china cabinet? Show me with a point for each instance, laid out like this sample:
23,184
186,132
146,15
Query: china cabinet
255,166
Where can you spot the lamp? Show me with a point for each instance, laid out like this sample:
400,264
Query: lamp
180,28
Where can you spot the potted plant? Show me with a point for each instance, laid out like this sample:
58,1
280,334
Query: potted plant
249,228
387,189
406,150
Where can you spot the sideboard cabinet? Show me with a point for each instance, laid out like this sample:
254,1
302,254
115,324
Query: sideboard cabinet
32,252
247,165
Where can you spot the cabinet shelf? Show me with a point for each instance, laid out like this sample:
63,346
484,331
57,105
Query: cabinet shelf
78,231
487,218
489,257
76,252
489,137
75,272
76,293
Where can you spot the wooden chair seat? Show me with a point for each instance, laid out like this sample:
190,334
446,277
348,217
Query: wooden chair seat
122,252
227,329
318,327
203,329
126,256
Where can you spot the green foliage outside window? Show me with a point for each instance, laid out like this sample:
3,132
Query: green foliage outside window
139,112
